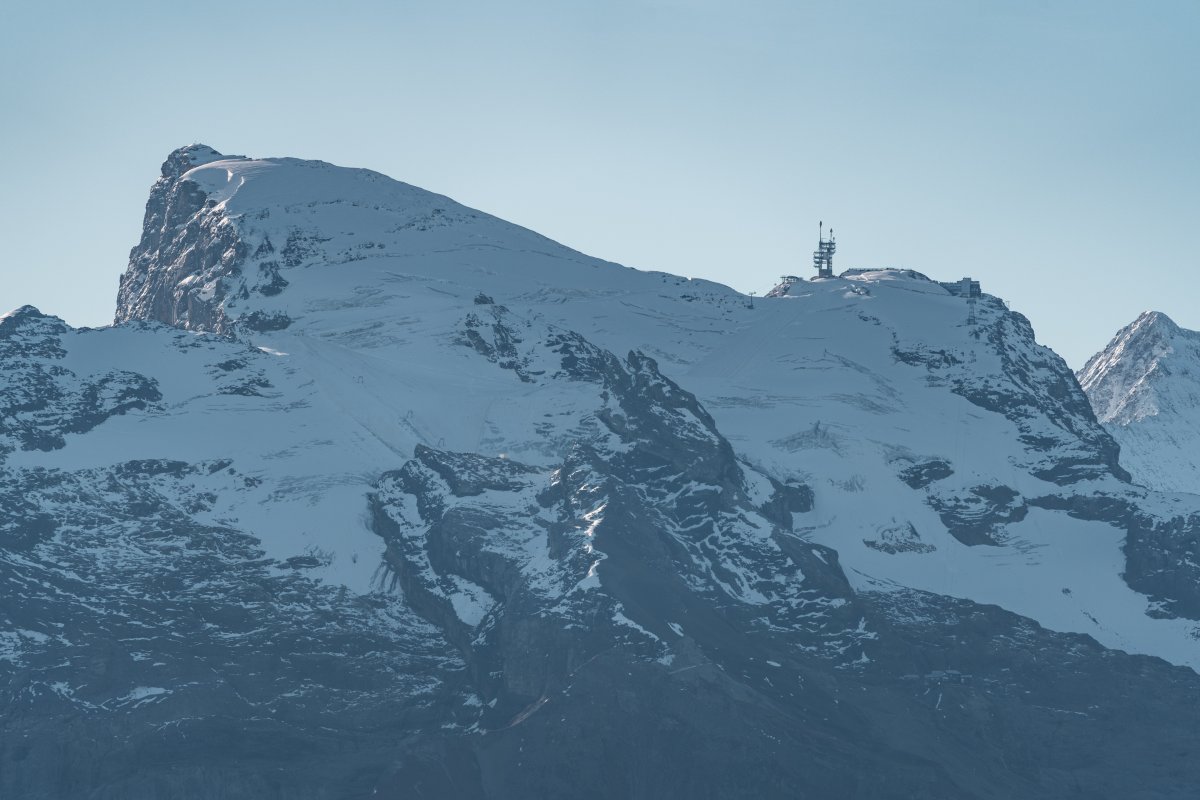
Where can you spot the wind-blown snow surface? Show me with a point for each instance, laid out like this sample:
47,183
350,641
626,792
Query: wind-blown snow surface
382,388
1145,388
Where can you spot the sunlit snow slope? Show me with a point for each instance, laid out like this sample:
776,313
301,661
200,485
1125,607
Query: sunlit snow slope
1145,388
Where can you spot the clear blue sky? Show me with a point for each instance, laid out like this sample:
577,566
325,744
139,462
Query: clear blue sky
1048,148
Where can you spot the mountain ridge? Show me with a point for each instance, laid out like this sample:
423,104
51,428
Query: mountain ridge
368,493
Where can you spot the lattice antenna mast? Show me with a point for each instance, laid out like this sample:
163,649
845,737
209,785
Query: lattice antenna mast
823,255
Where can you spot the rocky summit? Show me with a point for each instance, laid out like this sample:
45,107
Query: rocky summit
367,494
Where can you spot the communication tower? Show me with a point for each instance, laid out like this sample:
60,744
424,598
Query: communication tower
823,255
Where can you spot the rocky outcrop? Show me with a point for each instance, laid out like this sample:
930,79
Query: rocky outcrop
152,654
1035,390
978,515
43,401
178,273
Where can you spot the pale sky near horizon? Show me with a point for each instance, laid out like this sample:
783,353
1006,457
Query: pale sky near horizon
1047,148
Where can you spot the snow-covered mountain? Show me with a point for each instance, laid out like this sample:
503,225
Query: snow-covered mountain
367,493
1145,389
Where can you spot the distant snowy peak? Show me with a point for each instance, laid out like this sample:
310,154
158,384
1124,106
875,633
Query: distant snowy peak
1145,389
1151,367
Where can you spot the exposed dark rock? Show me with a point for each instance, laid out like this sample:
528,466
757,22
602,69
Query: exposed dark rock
260,321
921,474
183,248
163,657
787,499
43,401
272,282
497,341
901,538
974,517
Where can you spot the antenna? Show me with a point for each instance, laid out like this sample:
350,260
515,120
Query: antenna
823,255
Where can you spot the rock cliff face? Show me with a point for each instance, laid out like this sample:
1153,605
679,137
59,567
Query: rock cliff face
368,494
185,254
